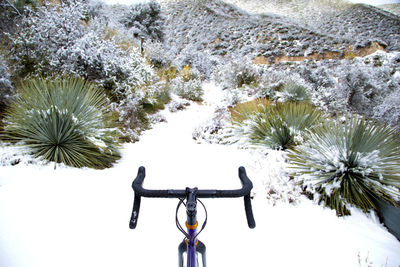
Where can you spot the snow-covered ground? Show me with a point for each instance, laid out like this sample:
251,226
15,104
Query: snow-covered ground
79,217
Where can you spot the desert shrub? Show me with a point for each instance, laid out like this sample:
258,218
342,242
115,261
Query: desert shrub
65,121
356,86
156,96
348,164
318,77
100,60
45,36
389,109
54,40
198,59
186,83
145,19
158,55
237,74
190,89
295,92
276,125
6,88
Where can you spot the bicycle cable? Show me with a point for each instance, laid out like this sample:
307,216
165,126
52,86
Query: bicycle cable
205,221
179,226
181,201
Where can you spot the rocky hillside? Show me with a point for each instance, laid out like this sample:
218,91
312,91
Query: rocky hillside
222,29
306,12
365,24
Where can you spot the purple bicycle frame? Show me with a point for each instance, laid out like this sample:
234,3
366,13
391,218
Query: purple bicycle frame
191,249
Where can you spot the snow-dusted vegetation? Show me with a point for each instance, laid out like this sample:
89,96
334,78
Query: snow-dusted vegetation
6,87
305,93
63,120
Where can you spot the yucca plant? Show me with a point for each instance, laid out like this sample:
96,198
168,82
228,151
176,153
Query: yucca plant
281,125
347,164
63,120
295,92
247,110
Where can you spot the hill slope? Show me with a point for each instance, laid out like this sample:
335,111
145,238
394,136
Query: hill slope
221,29
365,23
306,12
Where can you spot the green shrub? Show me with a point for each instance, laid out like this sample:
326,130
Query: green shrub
295,92
63,120
349,164
282,125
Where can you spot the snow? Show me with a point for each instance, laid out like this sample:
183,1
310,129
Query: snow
79,217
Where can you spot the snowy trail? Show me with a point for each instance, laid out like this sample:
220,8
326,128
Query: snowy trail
73,217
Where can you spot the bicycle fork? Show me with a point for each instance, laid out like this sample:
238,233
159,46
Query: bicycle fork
200,248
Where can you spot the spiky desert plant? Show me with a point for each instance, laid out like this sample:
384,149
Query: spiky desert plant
63,120
281,125
245,111
295,92
350,164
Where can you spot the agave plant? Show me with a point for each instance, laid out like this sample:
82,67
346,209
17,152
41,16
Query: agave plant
347,164
63,120
281,125
295,92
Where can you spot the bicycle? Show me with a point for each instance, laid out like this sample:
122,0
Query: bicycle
189,197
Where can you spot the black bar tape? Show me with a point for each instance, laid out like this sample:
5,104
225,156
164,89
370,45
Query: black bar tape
249,212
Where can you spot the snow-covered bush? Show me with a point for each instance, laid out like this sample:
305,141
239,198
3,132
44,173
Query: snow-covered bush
55,40
275,125
389,109
158,55
349,164
190,89
103,61
6,88
145,19
364,85
197,59
294,92
237,74
365,88
136,109
216,130
45,36
65,121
